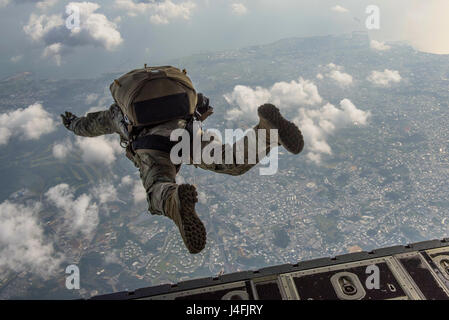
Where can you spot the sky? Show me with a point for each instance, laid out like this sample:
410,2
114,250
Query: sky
41,36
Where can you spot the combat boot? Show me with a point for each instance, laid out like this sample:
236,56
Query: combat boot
180,207
290,136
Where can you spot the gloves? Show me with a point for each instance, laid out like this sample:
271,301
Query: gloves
67,119
203,108
119,121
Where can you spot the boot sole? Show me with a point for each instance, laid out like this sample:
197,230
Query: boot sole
192,229
290,136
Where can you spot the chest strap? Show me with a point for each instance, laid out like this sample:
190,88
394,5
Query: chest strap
154,142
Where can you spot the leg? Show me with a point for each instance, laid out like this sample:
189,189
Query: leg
158,176
289,136
166,198
235,166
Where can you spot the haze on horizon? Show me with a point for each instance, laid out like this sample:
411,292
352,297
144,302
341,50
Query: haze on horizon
118,35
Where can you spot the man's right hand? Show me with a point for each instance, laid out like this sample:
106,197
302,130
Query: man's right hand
67,119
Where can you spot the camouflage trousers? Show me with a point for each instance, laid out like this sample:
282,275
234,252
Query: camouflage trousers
157,172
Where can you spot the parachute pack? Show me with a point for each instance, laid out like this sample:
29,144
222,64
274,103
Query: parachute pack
154,95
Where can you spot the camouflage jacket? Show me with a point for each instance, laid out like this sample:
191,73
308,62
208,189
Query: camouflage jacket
113,121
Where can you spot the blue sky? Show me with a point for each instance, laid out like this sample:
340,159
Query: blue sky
120,34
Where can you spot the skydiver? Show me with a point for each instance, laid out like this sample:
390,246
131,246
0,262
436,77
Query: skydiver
154,96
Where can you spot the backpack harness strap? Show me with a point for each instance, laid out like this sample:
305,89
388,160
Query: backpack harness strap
153,142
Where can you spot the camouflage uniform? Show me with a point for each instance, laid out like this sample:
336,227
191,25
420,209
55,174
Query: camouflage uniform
157,172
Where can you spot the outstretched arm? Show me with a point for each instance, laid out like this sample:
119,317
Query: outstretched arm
95,123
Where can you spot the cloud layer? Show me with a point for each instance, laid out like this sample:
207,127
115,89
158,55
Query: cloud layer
25,124
285,94
80,214
105,192
60,35
41,4
384,78
239,9
317,124
23,245
137,190
337,74
379,46
339,9
63,149
99,150
160,12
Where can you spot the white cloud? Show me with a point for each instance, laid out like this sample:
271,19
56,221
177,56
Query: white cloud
45,4
105,192
126,181
99,150
180,179
54,51
16,59
102,103
62,149
161,12
95,30
26,124
202,197
285,94
239,9
91,98
380,46
42,4
139,193
5,134
342,78
336,73
314,157
80,214
352,114
23,245
339,9
384,78
136,188
133,8
166,11
111,257
96,27
317,124
40,25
